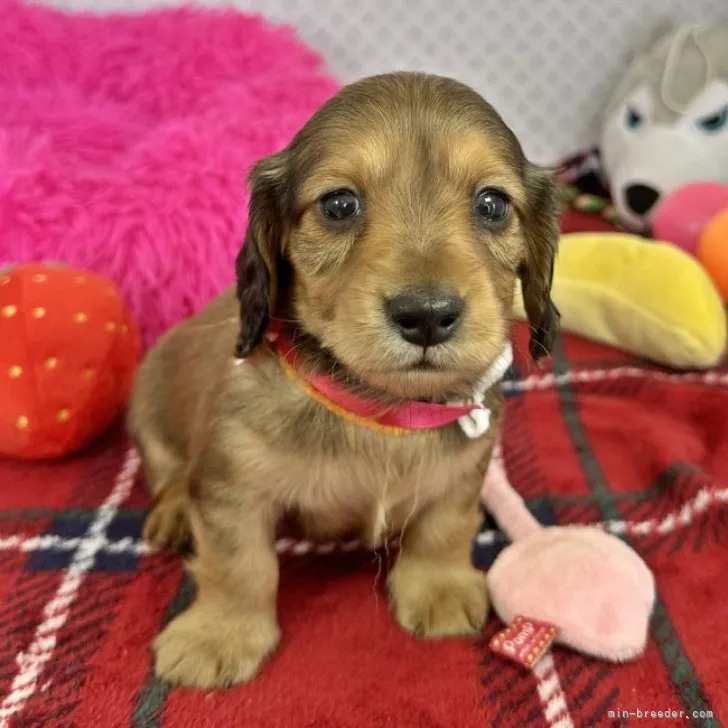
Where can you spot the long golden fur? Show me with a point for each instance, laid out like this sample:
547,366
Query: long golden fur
230,452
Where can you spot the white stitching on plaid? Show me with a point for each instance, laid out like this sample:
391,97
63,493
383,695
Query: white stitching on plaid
128,545
678,518
51,542
585,376
56,611
682,516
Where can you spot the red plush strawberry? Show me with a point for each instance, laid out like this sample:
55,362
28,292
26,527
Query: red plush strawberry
68,351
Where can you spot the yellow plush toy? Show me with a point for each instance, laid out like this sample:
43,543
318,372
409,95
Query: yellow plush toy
648,298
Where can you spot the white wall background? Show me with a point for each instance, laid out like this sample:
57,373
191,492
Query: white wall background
547,65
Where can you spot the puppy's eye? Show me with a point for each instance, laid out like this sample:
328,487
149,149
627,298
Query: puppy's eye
340,205
492,206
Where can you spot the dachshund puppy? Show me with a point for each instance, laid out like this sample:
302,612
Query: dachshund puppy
383,247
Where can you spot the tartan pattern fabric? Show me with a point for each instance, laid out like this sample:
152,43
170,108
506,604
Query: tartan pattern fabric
593,437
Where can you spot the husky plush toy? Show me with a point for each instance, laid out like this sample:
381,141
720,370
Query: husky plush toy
667,122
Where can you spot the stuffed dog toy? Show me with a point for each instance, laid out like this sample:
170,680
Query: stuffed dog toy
667,122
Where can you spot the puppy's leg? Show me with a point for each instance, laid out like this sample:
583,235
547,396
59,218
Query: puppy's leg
231,628
167,524
434,588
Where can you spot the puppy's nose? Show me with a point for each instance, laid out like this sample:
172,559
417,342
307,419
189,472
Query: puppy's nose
641,198
425,317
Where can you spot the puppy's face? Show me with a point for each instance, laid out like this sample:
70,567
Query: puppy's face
393,228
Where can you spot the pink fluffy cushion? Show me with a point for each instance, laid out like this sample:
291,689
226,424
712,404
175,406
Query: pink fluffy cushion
125,141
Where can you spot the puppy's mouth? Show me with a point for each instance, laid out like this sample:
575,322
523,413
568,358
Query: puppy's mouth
425,363
423,378
427,374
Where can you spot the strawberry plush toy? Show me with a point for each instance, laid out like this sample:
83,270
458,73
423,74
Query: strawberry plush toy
68,352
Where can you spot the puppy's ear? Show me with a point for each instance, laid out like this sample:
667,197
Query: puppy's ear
259,261
541,227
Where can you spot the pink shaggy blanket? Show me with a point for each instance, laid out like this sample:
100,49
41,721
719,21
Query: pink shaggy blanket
125,142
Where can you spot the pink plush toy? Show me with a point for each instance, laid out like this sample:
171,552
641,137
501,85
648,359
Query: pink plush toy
683,215
695,218
577,585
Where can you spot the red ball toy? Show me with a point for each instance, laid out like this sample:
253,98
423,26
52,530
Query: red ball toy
67,361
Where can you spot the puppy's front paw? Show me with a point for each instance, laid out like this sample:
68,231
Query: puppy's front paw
167,525
199,650
432,599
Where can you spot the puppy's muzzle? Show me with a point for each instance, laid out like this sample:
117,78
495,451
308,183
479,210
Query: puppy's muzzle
426,316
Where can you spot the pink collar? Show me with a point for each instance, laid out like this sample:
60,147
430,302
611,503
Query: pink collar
472,415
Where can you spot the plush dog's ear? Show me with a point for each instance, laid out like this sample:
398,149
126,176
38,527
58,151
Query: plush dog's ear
541,228
259,260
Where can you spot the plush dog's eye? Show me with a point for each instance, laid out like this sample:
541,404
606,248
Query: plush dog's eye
340,205
492,206
632,118
714,122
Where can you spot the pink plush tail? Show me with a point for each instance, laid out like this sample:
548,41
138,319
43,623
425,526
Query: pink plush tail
502,501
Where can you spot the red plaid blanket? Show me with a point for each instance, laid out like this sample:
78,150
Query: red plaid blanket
594,438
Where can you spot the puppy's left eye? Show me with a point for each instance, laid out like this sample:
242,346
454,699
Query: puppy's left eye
492,206
340,205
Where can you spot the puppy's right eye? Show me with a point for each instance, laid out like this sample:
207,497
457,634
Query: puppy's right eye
340,205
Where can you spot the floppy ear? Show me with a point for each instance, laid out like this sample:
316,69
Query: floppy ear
259,260
541,227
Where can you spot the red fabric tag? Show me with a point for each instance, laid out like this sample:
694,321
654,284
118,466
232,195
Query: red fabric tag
524,641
